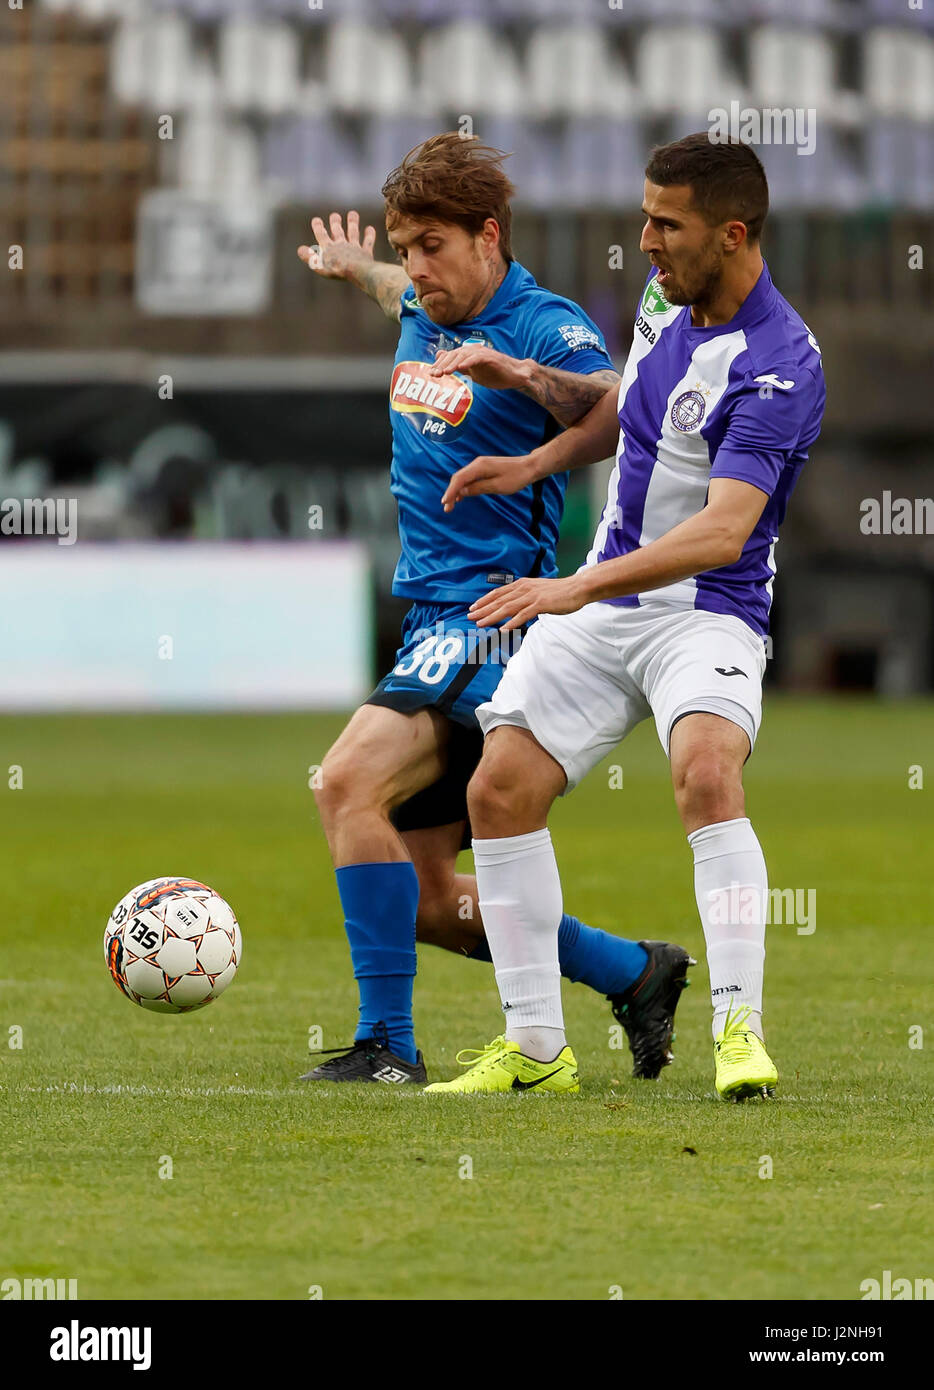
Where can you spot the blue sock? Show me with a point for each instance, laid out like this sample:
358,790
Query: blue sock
380,902
609,964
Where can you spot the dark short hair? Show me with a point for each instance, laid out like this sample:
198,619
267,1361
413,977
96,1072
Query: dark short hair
454,179
726,179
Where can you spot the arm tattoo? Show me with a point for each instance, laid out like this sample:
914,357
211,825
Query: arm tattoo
384,283
568,396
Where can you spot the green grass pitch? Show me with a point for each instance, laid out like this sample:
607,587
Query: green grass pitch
651,1190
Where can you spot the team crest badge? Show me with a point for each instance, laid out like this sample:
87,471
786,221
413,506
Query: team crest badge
688,411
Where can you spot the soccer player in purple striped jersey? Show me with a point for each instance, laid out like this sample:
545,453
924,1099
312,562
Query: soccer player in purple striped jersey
721,398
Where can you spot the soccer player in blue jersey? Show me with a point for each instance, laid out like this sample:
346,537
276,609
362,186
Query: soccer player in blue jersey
721,398
393,787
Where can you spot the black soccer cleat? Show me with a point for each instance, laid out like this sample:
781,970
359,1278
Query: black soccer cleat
647,1008
369,1059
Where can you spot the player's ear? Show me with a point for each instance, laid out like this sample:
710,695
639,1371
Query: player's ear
489,236
735,235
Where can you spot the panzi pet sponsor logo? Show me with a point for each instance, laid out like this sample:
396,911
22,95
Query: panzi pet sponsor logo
413,391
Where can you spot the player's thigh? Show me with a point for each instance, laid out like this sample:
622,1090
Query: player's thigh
567,685
384,756
705,663
444,802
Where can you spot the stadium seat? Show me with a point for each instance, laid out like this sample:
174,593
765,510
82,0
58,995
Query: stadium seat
202,94
239,41
468,67
128,62
98,11
199,146
390,89
573,71
690,76
366,69
898,68
30,477
152,63
218,156
347,63
793,67
7,448
259,66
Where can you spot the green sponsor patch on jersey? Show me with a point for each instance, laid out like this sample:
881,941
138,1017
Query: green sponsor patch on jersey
653,301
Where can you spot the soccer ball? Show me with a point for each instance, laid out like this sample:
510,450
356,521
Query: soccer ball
172,945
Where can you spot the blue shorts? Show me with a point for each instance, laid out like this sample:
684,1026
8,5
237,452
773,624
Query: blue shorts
445,663
449,664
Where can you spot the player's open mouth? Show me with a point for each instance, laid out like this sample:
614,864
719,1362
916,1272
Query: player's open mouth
663,276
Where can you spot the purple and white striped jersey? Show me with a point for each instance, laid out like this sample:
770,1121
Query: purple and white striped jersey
742,400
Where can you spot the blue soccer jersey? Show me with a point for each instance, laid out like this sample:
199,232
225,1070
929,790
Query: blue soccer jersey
741,400
439,424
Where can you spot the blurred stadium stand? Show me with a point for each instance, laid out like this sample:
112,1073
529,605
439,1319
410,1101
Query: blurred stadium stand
160,160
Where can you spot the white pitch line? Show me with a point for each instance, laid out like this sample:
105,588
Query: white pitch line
119,1089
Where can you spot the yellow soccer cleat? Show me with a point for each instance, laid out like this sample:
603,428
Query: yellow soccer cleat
744,1068
500,1066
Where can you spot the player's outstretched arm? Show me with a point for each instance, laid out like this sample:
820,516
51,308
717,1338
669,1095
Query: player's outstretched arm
592,438
343,256
713,537
567,396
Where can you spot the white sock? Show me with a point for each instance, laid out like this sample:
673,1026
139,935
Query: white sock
731,887
520,899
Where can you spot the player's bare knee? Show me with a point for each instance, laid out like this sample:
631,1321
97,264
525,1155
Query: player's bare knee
343,788
708,789
491,793
501,801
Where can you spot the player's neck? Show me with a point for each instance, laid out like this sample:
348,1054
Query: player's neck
496,274
734,291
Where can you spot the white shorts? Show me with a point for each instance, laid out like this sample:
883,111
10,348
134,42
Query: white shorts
581,682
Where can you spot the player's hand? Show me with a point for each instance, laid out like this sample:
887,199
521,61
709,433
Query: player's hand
485,366
518,603
338,255
493,474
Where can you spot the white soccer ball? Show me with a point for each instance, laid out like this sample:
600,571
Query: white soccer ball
172,945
